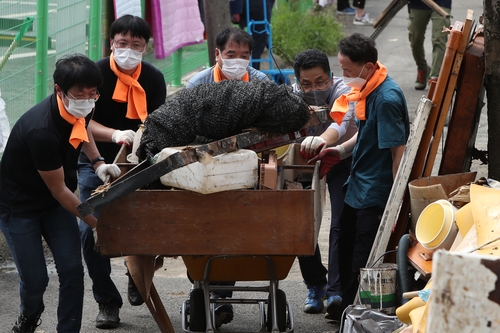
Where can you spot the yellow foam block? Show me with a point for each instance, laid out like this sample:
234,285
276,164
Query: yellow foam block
486,213
403,312
464,219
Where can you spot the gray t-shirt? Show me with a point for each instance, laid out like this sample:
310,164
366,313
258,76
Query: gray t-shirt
207,76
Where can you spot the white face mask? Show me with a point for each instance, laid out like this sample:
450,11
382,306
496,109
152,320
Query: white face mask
127,58
234,69
79,108
355,82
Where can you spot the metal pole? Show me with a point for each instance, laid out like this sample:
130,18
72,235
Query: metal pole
95,46
217,17
177,64
42,48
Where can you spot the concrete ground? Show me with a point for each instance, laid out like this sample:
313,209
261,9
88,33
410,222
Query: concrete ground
171,281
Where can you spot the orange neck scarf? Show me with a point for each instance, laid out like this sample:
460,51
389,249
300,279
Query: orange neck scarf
218,76
341,104
127,89
79,132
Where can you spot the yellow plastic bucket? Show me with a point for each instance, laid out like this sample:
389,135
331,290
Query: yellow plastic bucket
436,227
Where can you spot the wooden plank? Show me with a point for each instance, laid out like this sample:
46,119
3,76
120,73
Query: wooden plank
399,187
461,36
434,6
386,16
387,10
176,222
419,163
416,258
437,97
466,112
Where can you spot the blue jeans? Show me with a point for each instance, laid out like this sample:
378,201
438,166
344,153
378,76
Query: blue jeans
312,269
99,268
24,237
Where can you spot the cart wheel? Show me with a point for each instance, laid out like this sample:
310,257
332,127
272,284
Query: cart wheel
281,311
197,319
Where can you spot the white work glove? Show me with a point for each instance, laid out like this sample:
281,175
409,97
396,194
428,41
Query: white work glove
123,137
311,146
104,170
94,233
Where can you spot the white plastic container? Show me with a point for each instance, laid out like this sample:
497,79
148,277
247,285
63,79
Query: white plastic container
230,171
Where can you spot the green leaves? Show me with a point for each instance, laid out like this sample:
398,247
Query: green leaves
294,30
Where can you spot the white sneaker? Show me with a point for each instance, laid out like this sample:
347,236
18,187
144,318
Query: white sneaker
363,20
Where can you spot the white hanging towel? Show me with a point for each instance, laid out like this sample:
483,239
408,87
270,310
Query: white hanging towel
124,7
4,125
175,23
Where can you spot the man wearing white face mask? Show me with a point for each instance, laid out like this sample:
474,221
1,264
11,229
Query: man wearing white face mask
383,129
132,89
234,48
317,85
232,53
38,179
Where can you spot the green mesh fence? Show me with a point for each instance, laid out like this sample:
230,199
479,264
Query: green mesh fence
191,58
65,26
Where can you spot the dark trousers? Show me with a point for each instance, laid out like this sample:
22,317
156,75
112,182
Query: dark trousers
312,269
342,4
358,229
359,4
99,267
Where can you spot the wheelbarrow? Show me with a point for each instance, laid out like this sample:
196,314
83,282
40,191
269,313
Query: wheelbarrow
261,230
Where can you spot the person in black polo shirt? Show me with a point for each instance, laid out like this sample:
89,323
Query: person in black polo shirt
132,89
37,184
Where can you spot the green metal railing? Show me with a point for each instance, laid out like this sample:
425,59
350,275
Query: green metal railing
63,27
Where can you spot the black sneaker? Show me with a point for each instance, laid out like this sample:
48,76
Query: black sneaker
134,296
108,315
223,314
26,325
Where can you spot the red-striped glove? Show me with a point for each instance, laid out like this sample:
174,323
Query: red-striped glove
328,157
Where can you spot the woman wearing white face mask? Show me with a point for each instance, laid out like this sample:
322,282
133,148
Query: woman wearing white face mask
232,56
132,89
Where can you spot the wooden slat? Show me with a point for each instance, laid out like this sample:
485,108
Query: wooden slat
420,161
434,6
180,222
466,112
463,35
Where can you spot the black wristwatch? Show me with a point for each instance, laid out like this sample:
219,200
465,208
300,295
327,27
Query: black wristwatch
97,159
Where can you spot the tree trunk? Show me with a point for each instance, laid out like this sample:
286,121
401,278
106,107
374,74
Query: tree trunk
492,83
217,17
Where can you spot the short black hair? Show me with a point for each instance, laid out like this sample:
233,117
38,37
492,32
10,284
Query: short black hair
133,24
239,36
311,59
359,48
77,70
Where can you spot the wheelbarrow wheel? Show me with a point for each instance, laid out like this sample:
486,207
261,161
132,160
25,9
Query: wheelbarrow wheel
280,309
197,321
